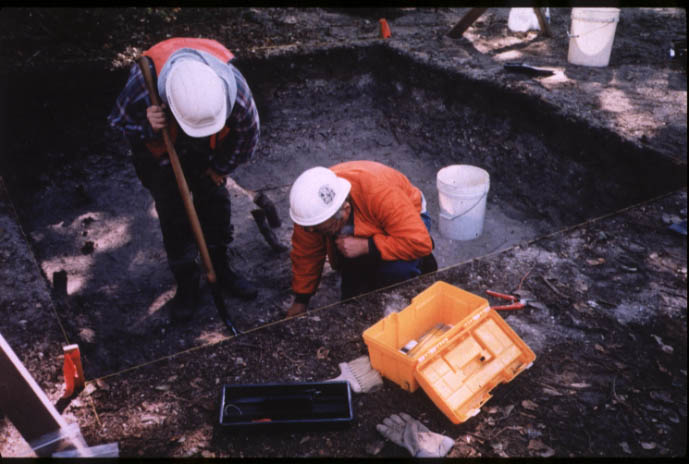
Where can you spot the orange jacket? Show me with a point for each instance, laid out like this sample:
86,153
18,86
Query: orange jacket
160,53
386,207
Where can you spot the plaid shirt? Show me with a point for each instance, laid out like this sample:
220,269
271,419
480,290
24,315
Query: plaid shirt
129,116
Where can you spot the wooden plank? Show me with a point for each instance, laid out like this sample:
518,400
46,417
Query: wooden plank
466,21
26,405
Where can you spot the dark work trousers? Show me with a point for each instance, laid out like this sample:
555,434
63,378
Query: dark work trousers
212,205
367,273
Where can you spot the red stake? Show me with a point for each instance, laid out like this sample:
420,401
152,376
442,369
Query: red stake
384,29
72,370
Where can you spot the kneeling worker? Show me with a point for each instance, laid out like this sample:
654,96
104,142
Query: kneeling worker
370,222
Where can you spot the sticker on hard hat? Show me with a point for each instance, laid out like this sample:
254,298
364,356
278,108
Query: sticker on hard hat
326,193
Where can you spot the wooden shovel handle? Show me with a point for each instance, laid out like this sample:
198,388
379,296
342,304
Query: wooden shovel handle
179,176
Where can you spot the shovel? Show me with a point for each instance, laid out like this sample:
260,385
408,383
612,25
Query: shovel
189,205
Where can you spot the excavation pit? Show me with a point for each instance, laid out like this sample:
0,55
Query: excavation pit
607,266
88,215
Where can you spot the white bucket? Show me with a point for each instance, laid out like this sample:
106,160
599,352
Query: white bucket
523,20
462,193
591,35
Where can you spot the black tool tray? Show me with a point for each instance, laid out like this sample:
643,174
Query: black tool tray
315,404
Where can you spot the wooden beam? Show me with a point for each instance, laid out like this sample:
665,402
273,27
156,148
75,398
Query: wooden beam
26,405
466,21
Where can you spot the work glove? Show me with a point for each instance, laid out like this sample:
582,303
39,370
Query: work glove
405,431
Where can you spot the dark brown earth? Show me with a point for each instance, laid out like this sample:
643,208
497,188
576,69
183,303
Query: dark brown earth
588,170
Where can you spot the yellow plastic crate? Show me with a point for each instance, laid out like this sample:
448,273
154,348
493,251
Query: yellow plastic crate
462,366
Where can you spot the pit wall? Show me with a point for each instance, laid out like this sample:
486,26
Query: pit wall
526,144
562,168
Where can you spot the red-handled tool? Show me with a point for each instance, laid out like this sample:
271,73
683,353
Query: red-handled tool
517,303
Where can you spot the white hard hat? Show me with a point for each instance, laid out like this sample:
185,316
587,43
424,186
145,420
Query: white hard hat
317,195
196,96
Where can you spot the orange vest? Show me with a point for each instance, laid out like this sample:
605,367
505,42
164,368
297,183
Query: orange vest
386,206
160,53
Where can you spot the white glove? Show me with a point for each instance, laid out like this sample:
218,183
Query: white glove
404,430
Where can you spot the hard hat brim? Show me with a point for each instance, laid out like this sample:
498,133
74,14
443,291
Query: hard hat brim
202,131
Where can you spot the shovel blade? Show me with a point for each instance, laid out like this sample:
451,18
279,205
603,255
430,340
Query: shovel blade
222,309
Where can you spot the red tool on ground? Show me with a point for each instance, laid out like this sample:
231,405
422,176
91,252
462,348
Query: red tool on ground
517,303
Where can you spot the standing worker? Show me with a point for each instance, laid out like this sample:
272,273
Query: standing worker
370,222
210,101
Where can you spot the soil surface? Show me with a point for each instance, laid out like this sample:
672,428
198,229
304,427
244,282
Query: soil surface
588,171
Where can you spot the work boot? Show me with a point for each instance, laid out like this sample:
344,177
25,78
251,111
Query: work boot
184,304
268,234
228,279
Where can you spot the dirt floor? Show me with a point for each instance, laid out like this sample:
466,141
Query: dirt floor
588,171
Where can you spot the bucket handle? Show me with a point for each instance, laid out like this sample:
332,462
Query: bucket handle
447,216
604,22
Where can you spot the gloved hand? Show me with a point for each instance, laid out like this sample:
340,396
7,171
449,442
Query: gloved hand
407,432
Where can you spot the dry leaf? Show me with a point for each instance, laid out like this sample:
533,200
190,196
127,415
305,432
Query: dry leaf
599,348
549,452
595,262
196,383
90,388
625,447
580,385
551,392
87,335
150,418
102,385
582,308
375,448
648,445
530,405
322,352
536,445
162,387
